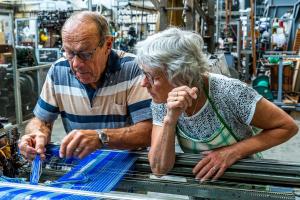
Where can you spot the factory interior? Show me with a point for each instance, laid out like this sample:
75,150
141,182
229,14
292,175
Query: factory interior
255,42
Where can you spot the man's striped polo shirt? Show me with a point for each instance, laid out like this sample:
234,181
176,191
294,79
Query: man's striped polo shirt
118,101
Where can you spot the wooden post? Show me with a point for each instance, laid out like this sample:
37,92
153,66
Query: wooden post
190,15
253,39
211,27
163,15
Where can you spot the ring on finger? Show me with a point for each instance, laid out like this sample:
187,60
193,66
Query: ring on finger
78,149
214,168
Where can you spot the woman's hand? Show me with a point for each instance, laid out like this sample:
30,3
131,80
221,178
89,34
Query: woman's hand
179,99
214,164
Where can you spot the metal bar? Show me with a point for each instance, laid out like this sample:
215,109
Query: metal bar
34,68
236,176
201,190
18,98
280,52
39,87
124,196
176,8
280,76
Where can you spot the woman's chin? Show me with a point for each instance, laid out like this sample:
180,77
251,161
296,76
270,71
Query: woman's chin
158,101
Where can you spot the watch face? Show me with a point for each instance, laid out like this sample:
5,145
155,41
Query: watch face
104,137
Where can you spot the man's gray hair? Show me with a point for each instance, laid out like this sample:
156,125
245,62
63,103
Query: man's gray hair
87,17
177,52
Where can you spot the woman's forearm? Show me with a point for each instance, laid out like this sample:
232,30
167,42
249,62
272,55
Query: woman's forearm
265,140
162,152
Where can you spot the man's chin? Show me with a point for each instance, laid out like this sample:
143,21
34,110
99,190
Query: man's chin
84,81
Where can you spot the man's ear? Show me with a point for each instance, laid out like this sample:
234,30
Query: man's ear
109,43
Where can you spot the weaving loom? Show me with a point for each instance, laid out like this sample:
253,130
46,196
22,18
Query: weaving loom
99,173
108,174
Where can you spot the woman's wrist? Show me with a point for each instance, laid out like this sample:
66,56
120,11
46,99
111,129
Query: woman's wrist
168,120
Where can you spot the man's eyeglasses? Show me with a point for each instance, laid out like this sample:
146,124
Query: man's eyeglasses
83,55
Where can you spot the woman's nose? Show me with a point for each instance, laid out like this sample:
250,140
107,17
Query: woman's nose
144,81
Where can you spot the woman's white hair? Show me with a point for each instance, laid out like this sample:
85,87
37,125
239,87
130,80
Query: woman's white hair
177,52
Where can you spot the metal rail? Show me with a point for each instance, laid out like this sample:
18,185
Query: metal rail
249,179
19,115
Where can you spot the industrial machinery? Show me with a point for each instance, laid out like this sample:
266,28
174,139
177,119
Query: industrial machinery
10,161
107,174
28,85
49,25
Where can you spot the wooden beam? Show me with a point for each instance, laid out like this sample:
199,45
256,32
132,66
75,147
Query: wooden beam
163,15
211,26
156,4
190,15
200,11
253,39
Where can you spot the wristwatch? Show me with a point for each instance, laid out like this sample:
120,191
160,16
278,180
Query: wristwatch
103,137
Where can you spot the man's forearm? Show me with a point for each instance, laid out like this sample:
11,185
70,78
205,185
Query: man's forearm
38,126
132,137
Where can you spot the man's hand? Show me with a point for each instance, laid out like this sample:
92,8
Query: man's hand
31,144
79,143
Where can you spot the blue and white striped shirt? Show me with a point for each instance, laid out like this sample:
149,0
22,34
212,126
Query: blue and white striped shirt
118,101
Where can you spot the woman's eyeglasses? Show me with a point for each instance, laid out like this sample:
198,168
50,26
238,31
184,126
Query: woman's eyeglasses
149,77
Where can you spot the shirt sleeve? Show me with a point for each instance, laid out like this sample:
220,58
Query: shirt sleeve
159,111
139,99
46,108
243,101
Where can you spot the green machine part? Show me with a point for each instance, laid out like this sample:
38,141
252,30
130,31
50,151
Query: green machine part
262,85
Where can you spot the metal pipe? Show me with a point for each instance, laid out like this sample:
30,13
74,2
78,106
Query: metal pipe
26,69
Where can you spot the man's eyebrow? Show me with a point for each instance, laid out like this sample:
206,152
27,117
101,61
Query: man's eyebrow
84,48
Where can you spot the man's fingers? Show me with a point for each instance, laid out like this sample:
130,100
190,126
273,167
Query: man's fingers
84,153
70,143
74,145
64,143
40,142
26,147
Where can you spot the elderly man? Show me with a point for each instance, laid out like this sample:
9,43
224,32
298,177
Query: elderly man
96,92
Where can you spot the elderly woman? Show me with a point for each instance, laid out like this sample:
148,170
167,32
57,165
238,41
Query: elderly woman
209,113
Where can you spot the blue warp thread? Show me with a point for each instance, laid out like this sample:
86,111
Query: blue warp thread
36,170
101,171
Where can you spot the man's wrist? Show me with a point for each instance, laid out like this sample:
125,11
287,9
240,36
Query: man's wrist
103,137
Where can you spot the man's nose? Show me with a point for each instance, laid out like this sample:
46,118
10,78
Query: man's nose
76,62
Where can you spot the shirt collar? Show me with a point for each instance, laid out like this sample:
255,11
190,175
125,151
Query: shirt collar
113,62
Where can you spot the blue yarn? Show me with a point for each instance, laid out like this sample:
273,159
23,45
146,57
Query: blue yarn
36,170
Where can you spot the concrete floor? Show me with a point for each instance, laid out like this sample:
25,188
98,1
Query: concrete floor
288,151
